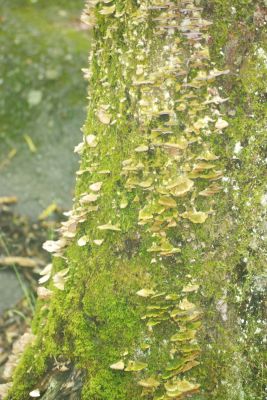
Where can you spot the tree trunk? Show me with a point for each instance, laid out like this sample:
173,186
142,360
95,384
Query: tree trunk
158,277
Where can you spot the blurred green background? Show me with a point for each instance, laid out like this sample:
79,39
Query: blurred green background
43,47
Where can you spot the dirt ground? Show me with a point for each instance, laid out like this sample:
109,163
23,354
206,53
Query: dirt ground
42,108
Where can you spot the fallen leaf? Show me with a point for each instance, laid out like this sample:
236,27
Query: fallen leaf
4,389
48,211
18,348
25,262
8,200
30,143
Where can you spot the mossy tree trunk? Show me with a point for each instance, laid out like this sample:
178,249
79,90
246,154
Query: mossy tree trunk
161,293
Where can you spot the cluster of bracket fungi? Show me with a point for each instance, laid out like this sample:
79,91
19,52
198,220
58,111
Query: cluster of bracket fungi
177,111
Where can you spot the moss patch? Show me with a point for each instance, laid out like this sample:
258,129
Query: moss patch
96,321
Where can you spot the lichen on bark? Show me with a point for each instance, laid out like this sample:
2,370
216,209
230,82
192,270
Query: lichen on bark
153,217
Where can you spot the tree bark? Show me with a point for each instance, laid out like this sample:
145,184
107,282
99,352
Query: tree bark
161,293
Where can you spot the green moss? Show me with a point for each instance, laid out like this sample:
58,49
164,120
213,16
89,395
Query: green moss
30,369
97,318
108,385
236,260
